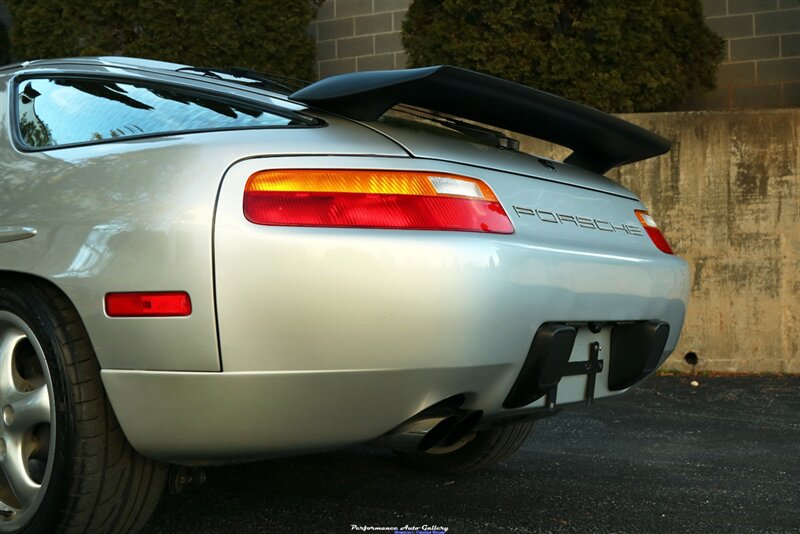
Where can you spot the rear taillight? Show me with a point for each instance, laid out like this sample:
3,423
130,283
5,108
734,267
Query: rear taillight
148,304
373,199
652,230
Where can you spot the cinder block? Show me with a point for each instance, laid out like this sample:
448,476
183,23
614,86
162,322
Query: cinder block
391,5
326,50
334,29
757,96
787,21
732,26
714,8
736,73
355,46
755,48
369,24
779,70
751,6
350,8
788,4
717,99
400,60
397,20
791,95
790,45
325,11
377,62
336,66
388,42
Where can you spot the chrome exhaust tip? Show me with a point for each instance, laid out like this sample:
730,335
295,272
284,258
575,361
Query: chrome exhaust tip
462,428
428,430
419,434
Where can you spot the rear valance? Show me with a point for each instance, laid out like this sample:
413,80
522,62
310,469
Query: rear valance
599,141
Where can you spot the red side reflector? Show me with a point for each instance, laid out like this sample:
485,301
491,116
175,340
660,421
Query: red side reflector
150,304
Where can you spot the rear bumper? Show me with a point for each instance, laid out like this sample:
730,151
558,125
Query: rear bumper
201,417
216,417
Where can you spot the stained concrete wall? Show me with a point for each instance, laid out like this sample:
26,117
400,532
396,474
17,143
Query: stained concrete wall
728,198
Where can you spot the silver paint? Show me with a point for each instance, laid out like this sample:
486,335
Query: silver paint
15,233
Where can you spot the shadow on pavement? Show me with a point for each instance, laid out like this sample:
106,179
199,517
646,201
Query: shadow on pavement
665,457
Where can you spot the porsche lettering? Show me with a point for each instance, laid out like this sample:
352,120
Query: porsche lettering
581,222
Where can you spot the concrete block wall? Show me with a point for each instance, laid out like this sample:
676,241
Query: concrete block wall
356,35
760,67
761,63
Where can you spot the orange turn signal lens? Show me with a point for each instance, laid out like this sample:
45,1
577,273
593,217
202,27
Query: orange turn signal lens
373,199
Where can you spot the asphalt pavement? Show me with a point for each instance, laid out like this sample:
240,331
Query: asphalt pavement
666,457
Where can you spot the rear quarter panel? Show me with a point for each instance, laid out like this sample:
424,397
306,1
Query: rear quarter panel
137,215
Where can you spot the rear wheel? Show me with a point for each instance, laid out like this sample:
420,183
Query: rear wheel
479,450
65,465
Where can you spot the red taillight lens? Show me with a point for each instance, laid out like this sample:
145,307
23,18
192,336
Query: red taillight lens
151,304
652,230
373,199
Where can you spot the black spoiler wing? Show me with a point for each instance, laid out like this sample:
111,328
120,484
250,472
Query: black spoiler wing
599,141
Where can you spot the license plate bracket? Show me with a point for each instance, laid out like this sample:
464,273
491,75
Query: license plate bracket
591,368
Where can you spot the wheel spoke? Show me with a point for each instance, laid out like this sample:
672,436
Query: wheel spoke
8,342
31,408
13,465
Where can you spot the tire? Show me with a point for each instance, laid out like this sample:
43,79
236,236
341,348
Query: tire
482,449
82,474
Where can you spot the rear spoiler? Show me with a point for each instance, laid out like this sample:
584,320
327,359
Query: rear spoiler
599,141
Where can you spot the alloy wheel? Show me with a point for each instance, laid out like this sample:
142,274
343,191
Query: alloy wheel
27,422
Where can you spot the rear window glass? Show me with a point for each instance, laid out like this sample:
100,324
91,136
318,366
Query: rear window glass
66,111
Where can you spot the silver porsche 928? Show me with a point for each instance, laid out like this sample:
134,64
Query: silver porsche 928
204,266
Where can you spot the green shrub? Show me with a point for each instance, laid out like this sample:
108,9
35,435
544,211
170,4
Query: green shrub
266,35
5,45
618,56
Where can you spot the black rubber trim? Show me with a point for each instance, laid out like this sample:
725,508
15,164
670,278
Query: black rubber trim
545,365
636,350
599,141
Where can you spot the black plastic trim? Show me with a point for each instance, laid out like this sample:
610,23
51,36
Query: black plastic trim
545,365
636,351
